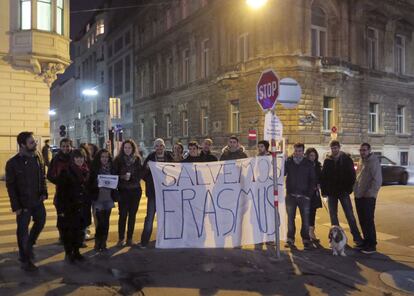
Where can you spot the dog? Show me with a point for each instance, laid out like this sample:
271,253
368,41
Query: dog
337,240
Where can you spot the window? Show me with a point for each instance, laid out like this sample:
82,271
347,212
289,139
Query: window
318,32
204,121
168,18
243,48
401,120
399,54
100,27
128,73
25,14
184,123
59,17
168,73
89,42
44,15
186,66
141,129
141,83
373,118
154,78
205,57
127,108
328,113
118,79
110,50
168,124
127,38
110,81
118,44
372,47
154,28
404,158
102,77
184,8
154,127
235,116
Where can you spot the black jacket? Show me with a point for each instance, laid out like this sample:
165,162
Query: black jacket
300,178
20,182
190,158
93,189
228,155
73,193
120,168
316,201
207,157
337,177
149,182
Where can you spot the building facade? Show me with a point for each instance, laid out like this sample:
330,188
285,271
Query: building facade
197,64
34,48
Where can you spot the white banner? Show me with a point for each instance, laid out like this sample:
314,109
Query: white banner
108,181
217,204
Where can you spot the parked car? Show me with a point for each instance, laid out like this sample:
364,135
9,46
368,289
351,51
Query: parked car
391,172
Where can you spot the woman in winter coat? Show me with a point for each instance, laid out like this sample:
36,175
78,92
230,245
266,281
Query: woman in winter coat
70,203
316,201
103,199
178,152
128,167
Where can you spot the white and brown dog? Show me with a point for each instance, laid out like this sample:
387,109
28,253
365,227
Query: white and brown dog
337,240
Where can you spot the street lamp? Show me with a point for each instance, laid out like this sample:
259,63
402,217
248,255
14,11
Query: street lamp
256,4
90,92
52,112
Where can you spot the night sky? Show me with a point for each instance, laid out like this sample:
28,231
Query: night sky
78,20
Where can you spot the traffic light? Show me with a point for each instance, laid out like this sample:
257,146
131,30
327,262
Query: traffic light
97,126
62,131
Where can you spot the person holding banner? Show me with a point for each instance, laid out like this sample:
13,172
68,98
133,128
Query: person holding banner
193,153
127,165
159,155
233,150
316,201
263,148
178,151
300,186
70,204
205,154
103,195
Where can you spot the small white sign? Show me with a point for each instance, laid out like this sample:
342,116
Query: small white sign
108,181
289,92
273,128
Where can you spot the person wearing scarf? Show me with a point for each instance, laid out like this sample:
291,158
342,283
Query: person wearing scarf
70,202
128,166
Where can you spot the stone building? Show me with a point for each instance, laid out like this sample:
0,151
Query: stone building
34,48
197,64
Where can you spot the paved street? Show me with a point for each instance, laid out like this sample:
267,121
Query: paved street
243,271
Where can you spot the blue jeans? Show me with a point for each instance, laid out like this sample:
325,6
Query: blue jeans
149,221
303,203
349,214
26,240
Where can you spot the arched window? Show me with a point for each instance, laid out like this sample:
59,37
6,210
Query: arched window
319,32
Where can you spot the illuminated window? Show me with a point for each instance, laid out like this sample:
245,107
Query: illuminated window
44,15
235,116
25,14
100,27
373,118
59,17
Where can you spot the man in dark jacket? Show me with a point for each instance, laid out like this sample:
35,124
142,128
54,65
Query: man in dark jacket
263,148
233,150
46,153
193,153
26,186
205,154
162,156
300,183
337,181
59,163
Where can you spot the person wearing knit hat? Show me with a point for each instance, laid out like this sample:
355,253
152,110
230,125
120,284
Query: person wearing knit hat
159,154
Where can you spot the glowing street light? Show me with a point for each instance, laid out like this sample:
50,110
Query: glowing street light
90,92
52,112
256,4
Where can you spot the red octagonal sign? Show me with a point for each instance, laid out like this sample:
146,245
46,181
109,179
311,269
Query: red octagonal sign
267,90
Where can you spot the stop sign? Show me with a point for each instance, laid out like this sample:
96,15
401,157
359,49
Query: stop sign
267,90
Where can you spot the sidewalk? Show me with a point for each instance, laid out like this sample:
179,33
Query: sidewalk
207,272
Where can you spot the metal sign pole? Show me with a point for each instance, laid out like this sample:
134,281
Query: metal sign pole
275,192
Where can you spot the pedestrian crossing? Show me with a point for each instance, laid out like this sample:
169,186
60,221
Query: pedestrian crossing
49,233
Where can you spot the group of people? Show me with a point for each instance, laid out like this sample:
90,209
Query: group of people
307,180
79,198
